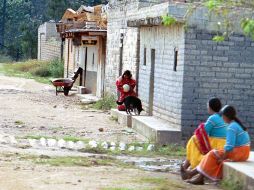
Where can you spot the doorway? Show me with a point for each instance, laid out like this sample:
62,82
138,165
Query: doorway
151,88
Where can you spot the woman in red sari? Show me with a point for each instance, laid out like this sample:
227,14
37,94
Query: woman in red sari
126,78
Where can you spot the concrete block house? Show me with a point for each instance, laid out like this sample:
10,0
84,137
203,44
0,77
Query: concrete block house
178,69
49,42
84,35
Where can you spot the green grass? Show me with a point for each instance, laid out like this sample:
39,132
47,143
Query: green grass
5,58
117,188
113,118
41,71
18,122
160,183
71,161
66,138
231,184
156,183
166,151
106,103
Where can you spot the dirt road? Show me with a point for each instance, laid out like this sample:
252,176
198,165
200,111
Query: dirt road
31,108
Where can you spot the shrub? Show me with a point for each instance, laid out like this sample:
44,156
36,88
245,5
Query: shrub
56,68
106,103
41,71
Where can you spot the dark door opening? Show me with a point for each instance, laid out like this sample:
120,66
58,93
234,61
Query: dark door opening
151,89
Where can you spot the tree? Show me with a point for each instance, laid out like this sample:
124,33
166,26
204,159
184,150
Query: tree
2,24
228,11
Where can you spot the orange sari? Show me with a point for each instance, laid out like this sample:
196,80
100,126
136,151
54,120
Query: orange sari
210,167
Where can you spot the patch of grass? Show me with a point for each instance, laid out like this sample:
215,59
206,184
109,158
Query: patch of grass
70,161
40,71
117,188
113,118
231,184
66,138
168,151
106,103
5,58
18,122
161,183
74,139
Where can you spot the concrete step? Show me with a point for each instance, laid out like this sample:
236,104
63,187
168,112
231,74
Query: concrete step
122,117
242,172
156,130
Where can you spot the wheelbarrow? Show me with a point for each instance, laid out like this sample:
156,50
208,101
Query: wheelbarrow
63,85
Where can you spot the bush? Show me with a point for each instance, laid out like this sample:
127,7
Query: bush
56,68
41,71
5,59
108,102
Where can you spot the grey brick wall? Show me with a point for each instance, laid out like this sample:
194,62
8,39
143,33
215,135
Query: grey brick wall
224,70
49,43
167,82
117,17
117,24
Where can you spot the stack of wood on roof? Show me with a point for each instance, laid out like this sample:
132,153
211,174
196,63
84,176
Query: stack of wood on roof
78,19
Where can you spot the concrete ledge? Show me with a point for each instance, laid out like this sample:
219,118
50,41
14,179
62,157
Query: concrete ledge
122,117
156,130
242,172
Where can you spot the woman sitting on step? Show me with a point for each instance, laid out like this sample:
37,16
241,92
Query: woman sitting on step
237,149
123,81
207,136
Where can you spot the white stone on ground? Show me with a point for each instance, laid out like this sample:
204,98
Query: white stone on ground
93,144
80,145
139,148
131,148
150,147
70,145
61,143
122,146
43,141
112,144
112,148
52,142
104,145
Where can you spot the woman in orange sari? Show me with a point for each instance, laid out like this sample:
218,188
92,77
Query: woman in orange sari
211,134
237,149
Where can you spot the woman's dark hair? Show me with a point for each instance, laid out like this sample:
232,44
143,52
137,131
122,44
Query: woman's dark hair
215,104
230,113
127,73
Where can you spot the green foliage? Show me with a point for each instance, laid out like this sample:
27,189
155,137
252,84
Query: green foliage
228,11
231,184
168,20
20,23
213,4
106,103
218,38
56,68
38,70
5,58
247,26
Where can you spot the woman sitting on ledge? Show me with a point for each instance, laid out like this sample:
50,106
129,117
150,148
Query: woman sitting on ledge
237,149
122,82
215,132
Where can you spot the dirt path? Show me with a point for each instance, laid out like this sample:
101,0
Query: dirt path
38,111
31,108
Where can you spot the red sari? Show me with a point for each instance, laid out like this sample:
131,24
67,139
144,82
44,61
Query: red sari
119,84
